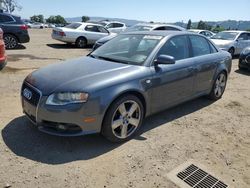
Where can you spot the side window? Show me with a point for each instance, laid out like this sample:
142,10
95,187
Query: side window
213,49
102,29
243,36
109,26
160,29
5,19
248,34
200,46
176,47
92,28
117,25
171,28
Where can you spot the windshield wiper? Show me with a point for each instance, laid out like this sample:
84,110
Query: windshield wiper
114,60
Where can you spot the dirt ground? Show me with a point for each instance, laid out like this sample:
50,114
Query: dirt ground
215,134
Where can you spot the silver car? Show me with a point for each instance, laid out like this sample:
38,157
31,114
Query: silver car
232,41
130,77
141,27
81,34
206,33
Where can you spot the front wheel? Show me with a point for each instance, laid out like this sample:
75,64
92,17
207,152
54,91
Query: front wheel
123,119
219,86
231,51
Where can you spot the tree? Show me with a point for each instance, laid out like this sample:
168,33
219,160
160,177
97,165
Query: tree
204,25
85,18
10,5
218,28
56,20
37,18
201,25
189,25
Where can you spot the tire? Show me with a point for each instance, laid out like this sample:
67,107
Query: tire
231,51
81,42
123,119
219,86
10,41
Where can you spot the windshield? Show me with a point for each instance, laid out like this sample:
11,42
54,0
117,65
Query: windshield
139,28
73,25
128,49
225,36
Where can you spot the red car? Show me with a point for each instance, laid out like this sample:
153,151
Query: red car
2,51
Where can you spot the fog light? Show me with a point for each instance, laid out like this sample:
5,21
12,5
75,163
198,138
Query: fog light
62,127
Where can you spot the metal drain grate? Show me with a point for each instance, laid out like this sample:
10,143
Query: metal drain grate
198,178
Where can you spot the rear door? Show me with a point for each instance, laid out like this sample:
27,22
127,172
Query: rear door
206,59
94,33
173,84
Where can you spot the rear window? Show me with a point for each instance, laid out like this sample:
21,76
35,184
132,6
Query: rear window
6,19
73,25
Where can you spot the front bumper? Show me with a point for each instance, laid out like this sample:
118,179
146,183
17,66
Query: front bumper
3,62
61,121
244,61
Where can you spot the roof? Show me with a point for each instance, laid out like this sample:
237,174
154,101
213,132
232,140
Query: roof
159,25
159,33
87,23
237,31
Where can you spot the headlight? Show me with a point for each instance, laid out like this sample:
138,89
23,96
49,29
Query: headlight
67,98
246,51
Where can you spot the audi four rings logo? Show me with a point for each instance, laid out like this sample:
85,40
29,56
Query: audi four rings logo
27,94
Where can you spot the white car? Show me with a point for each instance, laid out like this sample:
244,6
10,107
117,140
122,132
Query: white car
113,26
37,25
205,33
232,41
82,34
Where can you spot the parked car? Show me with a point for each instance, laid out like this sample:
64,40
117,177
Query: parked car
2,51
37,25
206,33
82,34
133,76
15,31
244,60
114,26
232,41
140,27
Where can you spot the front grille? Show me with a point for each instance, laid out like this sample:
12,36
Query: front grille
35,95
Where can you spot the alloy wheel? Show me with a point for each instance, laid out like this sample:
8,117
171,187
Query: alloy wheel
10,42
220,85
126,119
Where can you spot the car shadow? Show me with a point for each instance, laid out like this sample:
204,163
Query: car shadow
18,47
66,46
244,72
25,140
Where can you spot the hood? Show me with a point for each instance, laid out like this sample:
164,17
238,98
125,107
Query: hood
221,42
83,74
107,38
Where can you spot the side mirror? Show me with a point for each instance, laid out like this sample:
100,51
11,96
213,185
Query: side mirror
164,59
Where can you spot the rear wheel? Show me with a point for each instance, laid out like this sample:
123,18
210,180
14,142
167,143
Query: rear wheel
123,119
10,41
81,42
219,86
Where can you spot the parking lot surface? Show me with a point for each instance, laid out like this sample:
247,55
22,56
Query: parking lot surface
215,134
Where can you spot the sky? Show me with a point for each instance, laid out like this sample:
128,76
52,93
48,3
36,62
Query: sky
143,10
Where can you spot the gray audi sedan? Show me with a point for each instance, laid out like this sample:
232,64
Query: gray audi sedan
130,77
